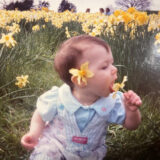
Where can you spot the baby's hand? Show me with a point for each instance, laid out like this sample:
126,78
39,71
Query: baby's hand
132,100
29,141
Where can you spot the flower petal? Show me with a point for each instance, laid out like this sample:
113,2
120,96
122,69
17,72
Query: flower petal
79,80
74,72
84,66
84,80
89,74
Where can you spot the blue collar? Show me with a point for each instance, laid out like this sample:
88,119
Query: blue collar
101,106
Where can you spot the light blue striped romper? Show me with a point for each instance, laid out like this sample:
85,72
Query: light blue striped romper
69,135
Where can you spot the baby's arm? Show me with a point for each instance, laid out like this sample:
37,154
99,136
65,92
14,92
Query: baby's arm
30,139
133,117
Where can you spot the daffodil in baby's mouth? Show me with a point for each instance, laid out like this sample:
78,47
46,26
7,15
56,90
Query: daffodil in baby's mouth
119,86
82,74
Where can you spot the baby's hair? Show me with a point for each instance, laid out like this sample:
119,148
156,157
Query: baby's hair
71,51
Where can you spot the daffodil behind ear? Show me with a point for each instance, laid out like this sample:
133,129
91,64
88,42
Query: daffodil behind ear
118,86
83,74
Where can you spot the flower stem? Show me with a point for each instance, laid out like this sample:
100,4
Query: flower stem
1,51
123,90
7,84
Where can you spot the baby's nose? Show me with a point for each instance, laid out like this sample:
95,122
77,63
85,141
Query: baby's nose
114,70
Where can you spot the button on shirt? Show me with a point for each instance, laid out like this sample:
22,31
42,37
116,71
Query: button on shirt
109,107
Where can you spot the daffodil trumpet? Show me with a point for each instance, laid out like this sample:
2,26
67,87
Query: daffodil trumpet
81,74
119,86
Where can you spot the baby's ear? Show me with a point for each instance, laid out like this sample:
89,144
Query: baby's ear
75,82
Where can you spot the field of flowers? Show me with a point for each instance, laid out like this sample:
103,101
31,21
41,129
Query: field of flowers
28,43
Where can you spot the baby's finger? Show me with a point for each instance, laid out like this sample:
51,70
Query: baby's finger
138,102
134,99
131,93
126,95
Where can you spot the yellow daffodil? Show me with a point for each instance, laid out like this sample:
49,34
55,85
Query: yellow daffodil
67,33
142,18
8,40
45,9
118,13
118,86
127,18
36,28
82,74
46,20
157,37
131,10
15,28
22,81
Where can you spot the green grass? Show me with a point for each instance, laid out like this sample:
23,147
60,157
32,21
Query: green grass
14,120
143,143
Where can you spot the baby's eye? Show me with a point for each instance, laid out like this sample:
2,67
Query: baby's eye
104,67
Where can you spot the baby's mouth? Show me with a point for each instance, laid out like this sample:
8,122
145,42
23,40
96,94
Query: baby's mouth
112,84
111,88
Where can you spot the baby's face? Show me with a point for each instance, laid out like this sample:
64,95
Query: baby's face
105,73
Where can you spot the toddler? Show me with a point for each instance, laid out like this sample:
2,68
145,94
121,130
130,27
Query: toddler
70,121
